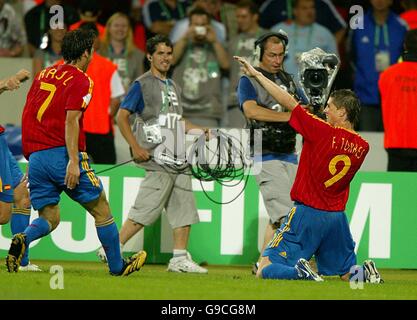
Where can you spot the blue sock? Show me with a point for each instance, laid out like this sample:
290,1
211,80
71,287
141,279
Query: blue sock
279,271
18,224
37,229
109,237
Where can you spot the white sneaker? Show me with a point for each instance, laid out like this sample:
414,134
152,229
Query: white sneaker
185,264
30,267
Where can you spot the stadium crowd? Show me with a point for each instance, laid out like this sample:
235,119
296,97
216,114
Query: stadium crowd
226,28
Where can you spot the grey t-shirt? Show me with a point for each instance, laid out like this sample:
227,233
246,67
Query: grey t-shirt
242,45
198,74
161,105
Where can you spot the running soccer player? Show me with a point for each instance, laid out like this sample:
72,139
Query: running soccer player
54,143
317,225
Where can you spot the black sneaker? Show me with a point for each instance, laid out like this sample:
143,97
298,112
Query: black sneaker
371,274
16,251
132,264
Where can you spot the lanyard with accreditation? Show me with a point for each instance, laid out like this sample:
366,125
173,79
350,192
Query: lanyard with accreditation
382,56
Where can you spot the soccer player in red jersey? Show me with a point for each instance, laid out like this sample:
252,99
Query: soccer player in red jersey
317,225
54,143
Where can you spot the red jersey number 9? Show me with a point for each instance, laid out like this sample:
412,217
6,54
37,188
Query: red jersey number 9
332,168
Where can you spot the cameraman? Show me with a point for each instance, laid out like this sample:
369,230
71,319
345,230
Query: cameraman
279,161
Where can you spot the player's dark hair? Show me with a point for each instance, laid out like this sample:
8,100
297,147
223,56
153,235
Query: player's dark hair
153,42
89,26
348,100
75,43
410,42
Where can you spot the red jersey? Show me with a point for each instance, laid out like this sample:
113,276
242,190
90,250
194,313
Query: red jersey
330,158
54,91
1,129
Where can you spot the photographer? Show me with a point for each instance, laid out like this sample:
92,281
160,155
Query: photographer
199,58
279,161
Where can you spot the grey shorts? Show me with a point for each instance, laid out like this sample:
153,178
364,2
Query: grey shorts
161,190
275,181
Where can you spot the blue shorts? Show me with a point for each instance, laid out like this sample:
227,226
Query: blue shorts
6,179
307,232
47,170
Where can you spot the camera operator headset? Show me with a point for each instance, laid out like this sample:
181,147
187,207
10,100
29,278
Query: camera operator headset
263,114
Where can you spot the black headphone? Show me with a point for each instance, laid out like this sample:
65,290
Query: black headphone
260,42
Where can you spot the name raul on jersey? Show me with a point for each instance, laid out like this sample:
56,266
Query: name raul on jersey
51,73
344,145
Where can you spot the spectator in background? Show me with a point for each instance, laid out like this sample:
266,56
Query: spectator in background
227,16
398,88
276,11
118,46
139,32
160,15
410,14
103,107
305,34
12,33
37,23
29,4
247,14
47,57
89,11
198,57
373,49
209,6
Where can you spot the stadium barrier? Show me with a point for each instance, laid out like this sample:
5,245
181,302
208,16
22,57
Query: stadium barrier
381,211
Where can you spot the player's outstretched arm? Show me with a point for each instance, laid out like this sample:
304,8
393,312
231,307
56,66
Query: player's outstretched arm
13,82
282,97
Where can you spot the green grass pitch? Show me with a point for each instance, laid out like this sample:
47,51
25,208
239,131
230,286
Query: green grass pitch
90,280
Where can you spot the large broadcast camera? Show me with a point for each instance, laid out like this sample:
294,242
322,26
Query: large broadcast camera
317,72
